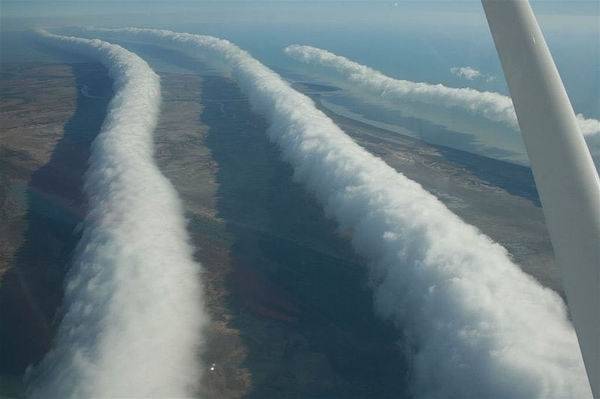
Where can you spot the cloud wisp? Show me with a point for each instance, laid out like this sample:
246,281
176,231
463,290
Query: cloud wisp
493,106
467,72
474,323
470,73
133,301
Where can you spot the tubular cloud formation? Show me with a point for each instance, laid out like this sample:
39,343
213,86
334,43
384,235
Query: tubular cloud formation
475,324
133,302
493,106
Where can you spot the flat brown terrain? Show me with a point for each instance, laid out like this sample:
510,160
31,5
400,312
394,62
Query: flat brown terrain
291,310
292,314
46,131
32,123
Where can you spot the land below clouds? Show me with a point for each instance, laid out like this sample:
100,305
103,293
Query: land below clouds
290,303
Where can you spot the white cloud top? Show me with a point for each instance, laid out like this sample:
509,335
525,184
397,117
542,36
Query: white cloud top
475,324
133,301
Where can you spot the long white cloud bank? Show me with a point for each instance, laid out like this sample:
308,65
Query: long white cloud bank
493,106
475,324
133,299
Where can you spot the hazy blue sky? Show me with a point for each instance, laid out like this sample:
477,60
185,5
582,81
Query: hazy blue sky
418,41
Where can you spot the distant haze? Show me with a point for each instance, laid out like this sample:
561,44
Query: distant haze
417,41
